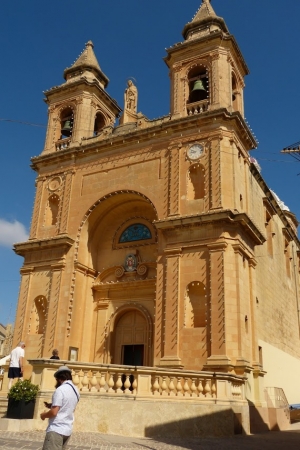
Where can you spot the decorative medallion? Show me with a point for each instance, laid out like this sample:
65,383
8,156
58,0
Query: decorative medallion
54,183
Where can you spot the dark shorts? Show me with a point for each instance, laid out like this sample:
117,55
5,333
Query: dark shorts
14,372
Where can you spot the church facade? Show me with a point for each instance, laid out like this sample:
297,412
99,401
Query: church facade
157,242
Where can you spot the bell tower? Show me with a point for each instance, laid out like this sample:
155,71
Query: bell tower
79,108
207,70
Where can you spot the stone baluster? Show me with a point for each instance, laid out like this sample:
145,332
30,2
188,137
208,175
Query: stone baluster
179,387
102,382
186,388
164,387
111,382
127,385
213,389
171,387
85,382
119,384
94,382
76,379
134,385
207,389
80,374
193,388
200,388
155,386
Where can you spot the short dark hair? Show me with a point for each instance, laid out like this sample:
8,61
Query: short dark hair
64,375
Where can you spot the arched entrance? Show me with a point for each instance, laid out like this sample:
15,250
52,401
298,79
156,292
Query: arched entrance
131,339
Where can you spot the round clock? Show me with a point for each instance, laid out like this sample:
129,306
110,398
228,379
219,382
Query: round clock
195,151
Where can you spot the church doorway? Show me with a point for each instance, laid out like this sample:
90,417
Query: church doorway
131,333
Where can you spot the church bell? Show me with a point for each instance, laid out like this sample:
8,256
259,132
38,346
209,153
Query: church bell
198,92
67,128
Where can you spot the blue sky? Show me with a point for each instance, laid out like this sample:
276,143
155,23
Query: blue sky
40,39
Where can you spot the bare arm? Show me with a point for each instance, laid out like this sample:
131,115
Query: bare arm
51,413
21,360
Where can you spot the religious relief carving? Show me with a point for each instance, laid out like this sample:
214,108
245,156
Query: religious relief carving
133,266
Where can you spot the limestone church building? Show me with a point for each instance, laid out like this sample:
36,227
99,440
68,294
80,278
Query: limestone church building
157,243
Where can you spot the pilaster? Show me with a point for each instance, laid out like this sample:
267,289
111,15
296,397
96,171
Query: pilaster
218,360
170,317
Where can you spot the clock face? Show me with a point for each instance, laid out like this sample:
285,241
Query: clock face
195,151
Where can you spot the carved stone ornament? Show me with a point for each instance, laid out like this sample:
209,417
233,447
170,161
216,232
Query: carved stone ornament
130,263
54,184
133,266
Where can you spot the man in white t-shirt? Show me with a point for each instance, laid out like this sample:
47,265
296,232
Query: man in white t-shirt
61,411
16,363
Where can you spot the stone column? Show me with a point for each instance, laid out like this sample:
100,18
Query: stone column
170,313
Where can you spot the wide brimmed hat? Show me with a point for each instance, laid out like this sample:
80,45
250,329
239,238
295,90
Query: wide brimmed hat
62,369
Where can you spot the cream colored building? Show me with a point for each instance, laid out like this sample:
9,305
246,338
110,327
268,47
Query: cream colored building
157,242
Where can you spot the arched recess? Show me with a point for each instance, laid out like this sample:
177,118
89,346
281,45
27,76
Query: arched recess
96,235
195,332
52,210
195,182
38,315
130,326
95,252
195,305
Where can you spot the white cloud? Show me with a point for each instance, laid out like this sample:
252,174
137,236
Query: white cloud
11,232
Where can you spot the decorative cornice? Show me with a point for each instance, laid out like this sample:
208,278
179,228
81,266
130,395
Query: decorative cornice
64,242
228,216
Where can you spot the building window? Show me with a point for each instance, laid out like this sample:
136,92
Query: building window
135,232
287,254
269,233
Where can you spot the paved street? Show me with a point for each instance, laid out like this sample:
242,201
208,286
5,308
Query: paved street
92,441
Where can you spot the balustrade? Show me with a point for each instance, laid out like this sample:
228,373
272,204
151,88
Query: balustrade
197,107
62,144
92,378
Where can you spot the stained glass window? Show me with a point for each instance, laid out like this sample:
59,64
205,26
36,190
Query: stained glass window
135,232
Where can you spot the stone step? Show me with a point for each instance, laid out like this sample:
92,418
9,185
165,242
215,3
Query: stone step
3,406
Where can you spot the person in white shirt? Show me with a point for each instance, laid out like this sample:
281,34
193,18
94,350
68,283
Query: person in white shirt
16,364
61,411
